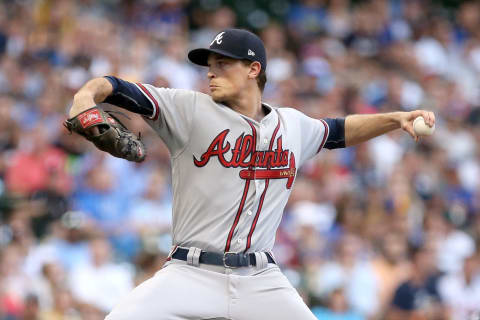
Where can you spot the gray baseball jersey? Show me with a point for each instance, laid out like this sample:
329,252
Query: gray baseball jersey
231,175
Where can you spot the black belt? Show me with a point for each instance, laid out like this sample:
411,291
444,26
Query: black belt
227,259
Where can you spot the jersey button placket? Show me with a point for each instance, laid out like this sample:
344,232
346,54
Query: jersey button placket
261,146
259,185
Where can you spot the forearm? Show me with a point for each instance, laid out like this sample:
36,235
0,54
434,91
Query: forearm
92,93
360,128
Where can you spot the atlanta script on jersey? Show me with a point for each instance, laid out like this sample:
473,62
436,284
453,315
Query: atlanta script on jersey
231,175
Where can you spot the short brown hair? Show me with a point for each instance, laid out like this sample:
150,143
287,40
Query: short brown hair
261,78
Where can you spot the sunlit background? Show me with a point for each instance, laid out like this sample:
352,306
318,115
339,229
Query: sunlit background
387,230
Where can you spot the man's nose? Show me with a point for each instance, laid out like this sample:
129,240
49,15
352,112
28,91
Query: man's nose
210,75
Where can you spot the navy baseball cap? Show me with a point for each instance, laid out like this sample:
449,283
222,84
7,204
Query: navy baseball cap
233,43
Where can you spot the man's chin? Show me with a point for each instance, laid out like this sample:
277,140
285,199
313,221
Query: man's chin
217,98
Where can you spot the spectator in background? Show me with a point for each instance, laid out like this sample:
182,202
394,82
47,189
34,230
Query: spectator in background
336,308
46,284
339,20
32,310
151,216
174,66
99,283
14,283
331,57
281,62
63,308
148,263
212,23
306,19
34,164
104,207
418,297
9,130
460,291
391,266
67,245
454,246
352,272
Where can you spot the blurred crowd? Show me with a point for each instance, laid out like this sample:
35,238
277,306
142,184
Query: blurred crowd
386,230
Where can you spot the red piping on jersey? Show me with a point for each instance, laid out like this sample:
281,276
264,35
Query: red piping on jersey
260,205
325,136
244,196
171,253
156,110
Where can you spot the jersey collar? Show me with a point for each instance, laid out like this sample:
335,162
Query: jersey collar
271,115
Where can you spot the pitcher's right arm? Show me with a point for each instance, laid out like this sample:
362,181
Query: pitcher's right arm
112,90
92,93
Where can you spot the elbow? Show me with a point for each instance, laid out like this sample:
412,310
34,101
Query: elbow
81,94
84,91
97,89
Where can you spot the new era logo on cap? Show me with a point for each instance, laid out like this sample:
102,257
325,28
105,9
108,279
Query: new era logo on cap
234,43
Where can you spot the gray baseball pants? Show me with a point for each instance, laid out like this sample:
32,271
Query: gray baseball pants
183,291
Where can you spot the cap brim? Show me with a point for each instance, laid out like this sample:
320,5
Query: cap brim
200,56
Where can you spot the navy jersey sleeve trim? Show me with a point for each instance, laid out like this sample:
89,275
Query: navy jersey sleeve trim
151,98
128,96
336,134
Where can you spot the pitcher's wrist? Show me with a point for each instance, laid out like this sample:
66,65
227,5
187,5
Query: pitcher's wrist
81,102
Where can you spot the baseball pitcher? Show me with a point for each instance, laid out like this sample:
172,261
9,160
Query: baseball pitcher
234,161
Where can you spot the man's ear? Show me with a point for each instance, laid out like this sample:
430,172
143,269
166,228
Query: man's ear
255,68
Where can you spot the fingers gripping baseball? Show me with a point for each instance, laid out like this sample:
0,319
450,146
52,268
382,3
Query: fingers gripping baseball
408,119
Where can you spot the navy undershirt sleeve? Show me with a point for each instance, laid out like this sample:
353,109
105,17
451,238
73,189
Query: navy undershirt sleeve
336,135
126,95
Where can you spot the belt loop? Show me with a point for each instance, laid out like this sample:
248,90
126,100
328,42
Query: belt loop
193,256
261,260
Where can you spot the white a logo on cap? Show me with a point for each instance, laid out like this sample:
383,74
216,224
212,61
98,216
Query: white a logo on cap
251,53
218,38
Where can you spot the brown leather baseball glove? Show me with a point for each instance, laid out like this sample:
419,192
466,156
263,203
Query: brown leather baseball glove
112,136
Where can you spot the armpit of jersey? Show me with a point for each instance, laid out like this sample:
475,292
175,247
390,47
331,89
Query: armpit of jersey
127,95
336,135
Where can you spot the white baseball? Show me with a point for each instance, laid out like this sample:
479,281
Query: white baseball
421,128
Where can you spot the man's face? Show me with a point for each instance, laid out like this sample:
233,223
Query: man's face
228,77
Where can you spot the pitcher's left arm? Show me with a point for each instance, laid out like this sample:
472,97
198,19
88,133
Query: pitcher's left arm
360,128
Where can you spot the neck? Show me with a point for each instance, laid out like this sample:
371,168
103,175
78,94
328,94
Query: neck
249,105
